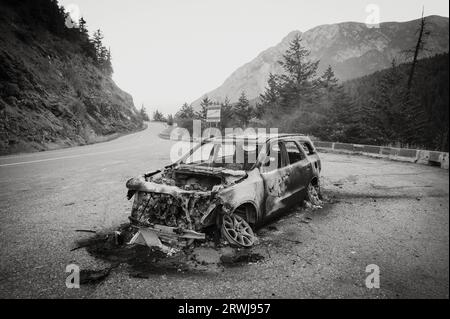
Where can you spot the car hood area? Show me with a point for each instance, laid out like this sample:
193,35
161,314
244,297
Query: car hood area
181,198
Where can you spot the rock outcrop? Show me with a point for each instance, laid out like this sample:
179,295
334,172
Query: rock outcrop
51,94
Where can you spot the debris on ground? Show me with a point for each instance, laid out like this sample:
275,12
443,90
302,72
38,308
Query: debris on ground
150,238
85,231
94,276
240,257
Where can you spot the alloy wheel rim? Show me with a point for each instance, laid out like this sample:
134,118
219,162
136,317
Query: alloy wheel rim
238,230
313,195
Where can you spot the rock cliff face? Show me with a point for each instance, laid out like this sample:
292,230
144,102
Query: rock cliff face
51,94
351,48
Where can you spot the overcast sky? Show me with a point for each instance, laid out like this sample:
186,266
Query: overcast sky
166,52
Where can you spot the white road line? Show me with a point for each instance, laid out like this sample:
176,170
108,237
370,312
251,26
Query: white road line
65,157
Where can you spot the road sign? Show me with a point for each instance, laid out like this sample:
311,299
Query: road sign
213,114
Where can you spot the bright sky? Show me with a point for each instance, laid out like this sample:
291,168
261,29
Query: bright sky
166,52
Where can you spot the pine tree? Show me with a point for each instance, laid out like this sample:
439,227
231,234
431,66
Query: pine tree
242,110
299,83
329,84
227,113
82,27
271,94
158,116
329,80
186,112
144,114
102,54
340,120
389,105
98,45
268,101
204,104
107,64
170,119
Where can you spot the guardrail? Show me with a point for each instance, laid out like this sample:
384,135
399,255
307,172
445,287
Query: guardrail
433,158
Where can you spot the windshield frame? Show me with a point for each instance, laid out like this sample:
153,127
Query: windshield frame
259,156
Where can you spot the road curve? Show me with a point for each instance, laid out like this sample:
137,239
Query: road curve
391,214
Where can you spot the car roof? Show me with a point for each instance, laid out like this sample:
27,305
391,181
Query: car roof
260,137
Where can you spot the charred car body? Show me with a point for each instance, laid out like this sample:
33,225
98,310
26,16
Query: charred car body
230,183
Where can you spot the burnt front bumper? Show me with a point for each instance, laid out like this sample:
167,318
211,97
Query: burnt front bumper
167,239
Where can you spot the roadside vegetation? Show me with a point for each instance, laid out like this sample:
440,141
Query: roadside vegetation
404,106
48,15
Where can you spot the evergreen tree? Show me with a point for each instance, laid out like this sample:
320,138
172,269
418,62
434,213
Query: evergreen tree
329,86
170,119
272,92
158,116
144,114
107,64
186,112
102,54
204,104
268,101
82,27
328,79
227,114
299,83
389,109
98,45
242,110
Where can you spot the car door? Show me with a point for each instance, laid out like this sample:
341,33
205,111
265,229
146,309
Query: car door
275,172
301,171
312,155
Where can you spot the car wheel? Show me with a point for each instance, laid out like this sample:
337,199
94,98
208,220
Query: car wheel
237,231
314,195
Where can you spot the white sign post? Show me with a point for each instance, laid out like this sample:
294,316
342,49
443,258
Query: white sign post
213,114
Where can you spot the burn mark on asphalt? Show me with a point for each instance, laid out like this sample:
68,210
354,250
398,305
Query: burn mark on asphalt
144,262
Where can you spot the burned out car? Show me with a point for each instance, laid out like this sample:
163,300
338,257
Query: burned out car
231,184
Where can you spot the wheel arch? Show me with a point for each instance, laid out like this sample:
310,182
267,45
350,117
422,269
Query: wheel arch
248,210
315,181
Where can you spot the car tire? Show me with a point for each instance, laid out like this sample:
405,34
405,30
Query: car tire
314,194
237,231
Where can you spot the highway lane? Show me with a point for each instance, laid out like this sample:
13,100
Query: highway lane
45,197
388,213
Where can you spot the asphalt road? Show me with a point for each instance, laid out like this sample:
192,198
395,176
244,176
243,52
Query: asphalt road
391,214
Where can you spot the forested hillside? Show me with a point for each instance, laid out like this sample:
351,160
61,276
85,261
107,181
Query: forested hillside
383,115
56,88
398,106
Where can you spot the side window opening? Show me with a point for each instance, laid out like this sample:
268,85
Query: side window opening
295,154
307,148
275,159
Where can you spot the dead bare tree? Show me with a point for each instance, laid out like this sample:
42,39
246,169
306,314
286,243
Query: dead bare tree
418,48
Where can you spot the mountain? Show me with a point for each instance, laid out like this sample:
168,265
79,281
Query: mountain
351,48
52,93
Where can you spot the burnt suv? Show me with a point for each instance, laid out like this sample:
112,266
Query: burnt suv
231,184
